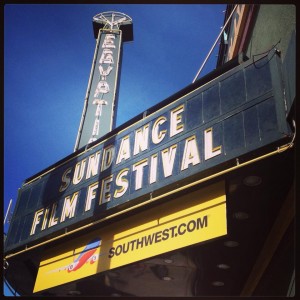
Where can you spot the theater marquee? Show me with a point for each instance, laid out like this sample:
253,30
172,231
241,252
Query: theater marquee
202,129
128,179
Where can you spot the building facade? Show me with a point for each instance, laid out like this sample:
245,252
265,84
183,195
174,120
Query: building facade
196,196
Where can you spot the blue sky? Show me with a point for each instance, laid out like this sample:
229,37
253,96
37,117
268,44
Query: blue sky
48,52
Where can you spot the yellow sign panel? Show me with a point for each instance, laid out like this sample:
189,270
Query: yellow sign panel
190,219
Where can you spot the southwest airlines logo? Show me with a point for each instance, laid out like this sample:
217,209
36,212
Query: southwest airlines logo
87,255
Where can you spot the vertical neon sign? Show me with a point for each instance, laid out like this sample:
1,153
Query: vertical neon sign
99,112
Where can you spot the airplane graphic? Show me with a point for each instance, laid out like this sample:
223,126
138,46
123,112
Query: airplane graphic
85,256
